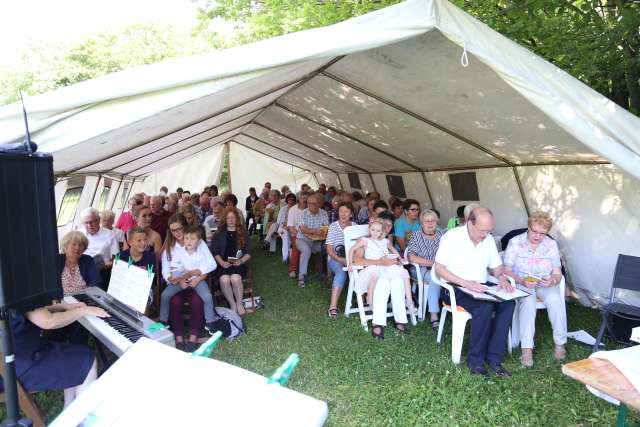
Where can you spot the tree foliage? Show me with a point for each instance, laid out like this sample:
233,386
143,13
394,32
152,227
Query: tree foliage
596,41
45,66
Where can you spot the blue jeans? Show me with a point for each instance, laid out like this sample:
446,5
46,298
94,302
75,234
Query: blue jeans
339,275
433,294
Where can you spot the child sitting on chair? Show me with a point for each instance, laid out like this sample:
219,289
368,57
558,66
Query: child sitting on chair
189,269
383,267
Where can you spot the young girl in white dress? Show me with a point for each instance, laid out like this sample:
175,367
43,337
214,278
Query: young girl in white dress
382,261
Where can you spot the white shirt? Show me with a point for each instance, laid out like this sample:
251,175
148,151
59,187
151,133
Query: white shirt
104,243
120,237
210,224
181,260
294,216
464,258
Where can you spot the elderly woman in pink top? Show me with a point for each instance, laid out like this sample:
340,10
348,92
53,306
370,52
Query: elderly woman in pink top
533,260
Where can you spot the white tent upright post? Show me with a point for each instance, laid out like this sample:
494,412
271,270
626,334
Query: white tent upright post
426,185
373,183
95,191
113,201
521,190
226,156
316,178
340,182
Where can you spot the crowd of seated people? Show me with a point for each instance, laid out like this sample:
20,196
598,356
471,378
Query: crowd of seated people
199,242
404,235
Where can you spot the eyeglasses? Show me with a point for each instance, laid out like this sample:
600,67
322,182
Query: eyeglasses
413,209
537,233
175,230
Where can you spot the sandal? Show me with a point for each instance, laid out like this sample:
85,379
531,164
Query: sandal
377,335
435,324
400,327
332,313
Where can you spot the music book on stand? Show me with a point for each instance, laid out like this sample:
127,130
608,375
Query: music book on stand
130,285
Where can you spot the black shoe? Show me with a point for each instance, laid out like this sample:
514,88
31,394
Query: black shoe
377,335
210,327
479,370
190,346
180,346
499,370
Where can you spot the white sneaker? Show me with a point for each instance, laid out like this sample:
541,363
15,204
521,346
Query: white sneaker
292,275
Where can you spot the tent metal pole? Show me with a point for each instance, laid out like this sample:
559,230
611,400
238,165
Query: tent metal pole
340,181
307,146
113,202
316,178
417,116
239,104
426,185
93,198
180,152
373,183
521,190
187,138
287,152
228,158
269,156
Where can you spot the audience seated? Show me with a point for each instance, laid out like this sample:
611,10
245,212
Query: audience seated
103,245
397,208
336,256
464,255
250,202
213,221
231,248
232,200
407,224
159,217
533,260
366,214
311,226
269,221
186,262
457,220
203,209
125,220
281,222
383,275
106,221
143,217
421,250
294,216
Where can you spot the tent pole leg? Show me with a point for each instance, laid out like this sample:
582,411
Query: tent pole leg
115,197
93,198
521,189
373,183
340,181
426,185
226,156
316,178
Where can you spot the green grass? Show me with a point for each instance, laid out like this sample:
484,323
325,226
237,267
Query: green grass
404,380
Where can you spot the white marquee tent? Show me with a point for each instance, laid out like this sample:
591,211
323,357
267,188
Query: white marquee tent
419,90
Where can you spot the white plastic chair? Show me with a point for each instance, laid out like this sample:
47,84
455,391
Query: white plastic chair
351,236
422,289
459,317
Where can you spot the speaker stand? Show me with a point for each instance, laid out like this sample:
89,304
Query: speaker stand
9,377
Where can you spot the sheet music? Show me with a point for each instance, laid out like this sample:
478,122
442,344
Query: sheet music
130,285
477,295
503,295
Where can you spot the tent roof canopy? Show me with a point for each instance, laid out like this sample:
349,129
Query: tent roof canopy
385,92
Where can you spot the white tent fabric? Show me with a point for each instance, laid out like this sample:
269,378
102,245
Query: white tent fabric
208,165
417,90
252,169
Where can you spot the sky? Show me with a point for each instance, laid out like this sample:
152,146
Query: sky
67,21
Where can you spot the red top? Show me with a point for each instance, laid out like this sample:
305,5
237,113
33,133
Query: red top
125,221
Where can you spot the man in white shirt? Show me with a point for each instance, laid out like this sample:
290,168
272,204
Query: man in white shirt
103,244
293,221
213,221
464,255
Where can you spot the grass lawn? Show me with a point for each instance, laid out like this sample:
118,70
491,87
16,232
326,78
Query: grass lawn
404,380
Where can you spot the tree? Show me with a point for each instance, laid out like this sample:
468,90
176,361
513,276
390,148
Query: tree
45,67
596,41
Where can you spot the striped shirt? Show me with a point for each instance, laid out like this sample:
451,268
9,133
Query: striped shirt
424,247
335,236
310,220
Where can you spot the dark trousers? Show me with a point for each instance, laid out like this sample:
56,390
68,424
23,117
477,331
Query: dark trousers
489,328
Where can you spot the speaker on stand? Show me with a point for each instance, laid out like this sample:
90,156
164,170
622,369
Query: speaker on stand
29,276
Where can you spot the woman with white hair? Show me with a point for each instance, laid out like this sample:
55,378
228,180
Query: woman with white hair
533,260
421,250
106,221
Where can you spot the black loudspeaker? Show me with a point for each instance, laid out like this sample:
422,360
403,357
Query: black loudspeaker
29,276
